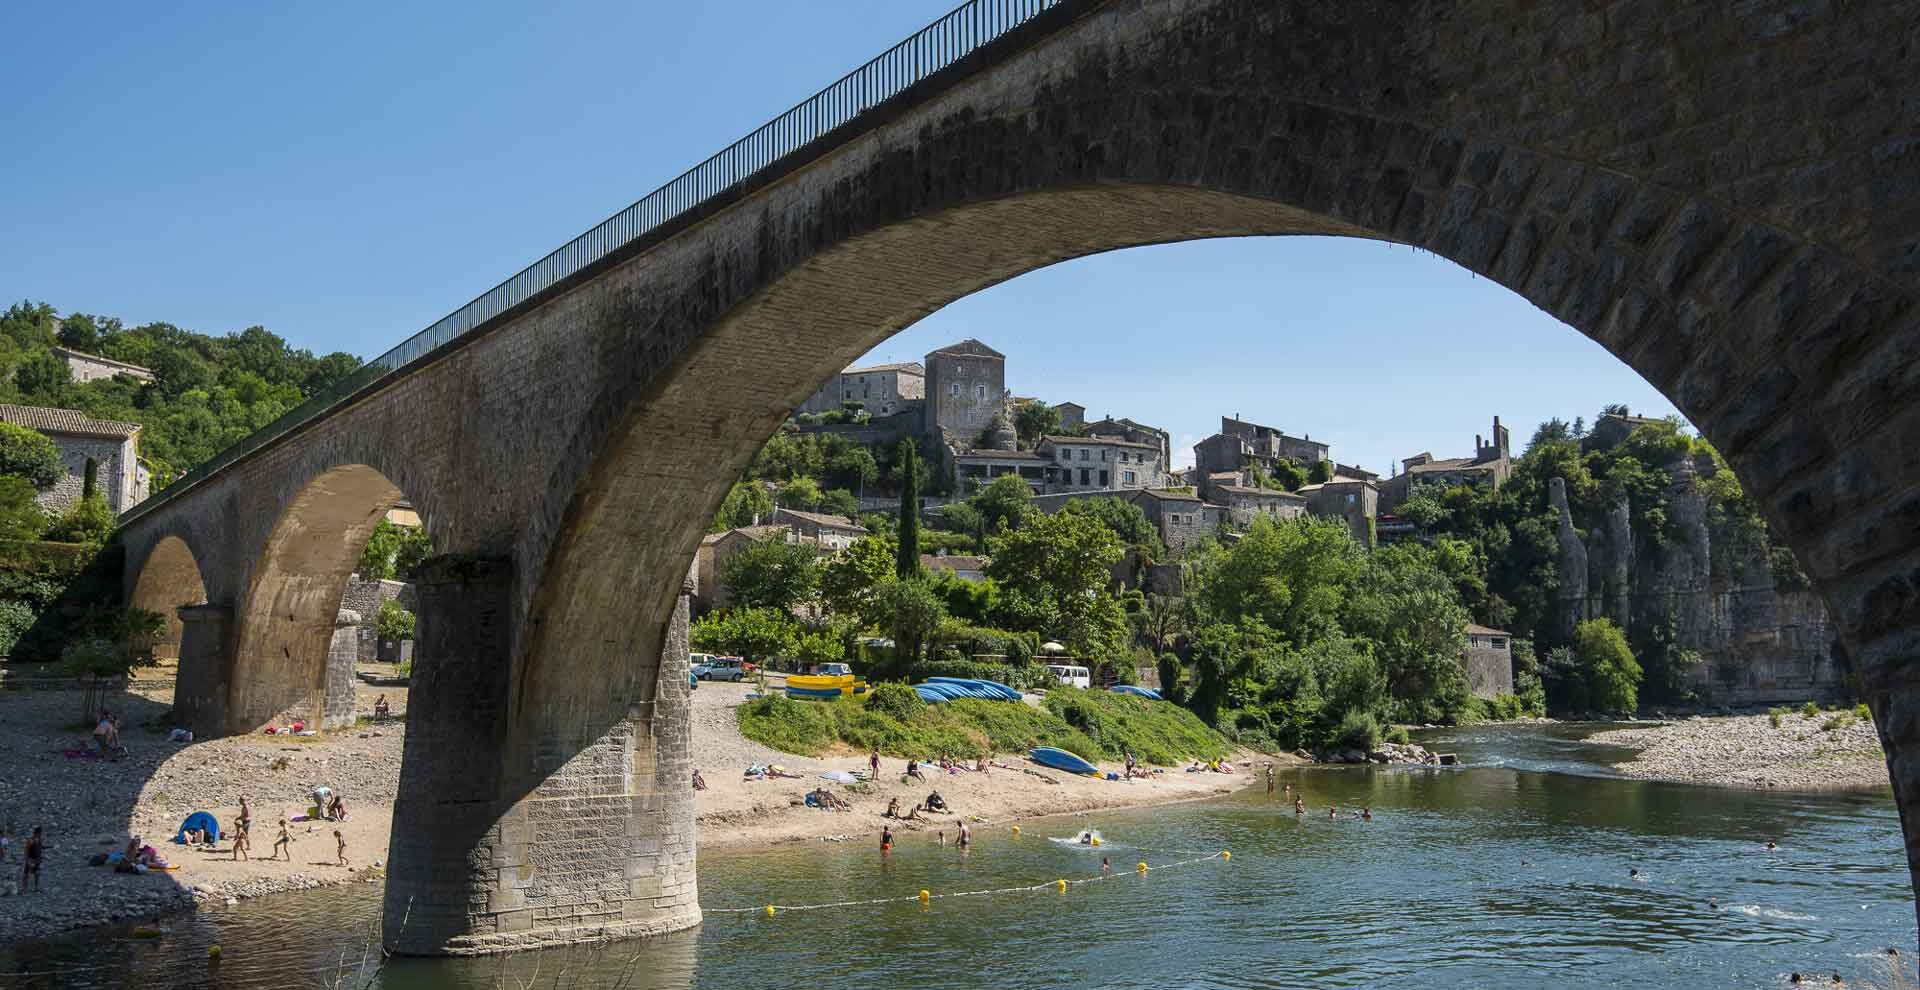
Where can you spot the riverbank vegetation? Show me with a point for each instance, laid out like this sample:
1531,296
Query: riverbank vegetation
1093,724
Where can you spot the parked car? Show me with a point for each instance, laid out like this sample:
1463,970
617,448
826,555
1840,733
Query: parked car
724,669
833,670
1070,675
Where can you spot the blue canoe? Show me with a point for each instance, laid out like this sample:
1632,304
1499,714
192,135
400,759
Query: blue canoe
1136,691
1060,759
979,688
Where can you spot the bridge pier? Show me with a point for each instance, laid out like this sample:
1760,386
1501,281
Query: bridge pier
506,840
206,667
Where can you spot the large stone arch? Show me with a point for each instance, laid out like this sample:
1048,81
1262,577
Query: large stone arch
1168,122
169,578
286,621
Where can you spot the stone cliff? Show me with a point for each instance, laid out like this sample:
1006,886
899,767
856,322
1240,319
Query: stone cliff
1694,586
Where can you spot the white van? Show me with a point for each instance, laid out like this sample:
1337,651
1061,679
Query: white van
1070,676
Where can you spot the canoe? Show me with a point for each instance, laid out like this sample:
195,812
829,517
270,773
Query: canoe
975,688
1136,691
820,681
1060,759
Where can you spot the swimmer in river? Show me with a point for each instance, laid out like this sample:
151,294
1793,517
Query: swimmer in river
1366,813
1106,865
1333,811
1771,847
1086,838
1714,903
1299,806
1795,979
1633,874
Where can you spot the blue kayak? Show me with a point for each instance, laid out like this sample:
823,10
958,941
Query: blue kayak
1136,691
1060,759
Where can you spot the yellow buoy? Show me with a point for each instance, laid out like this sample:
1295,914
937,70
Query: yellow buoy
1016,830
1096,840
769,910
1141,867
1061,884
1225,855
924,897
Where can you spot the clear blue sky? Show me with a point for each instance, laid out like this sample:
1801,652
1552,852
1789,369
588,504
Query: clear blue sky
345,174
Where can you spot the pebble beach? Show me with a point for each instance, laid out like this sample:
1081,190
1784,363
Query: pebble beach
1828,751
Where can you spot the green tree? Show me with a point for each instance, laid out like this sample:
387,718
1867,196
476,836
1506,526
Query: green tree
819,647
30,454
752,633
800,493
1125,520
1052,573
43,378
772,573
907,550
1409,610
21,518
1611,672
910,612
1320,472
746,504
1003,504
1032,420
847,579
839,502
393,551
1292,575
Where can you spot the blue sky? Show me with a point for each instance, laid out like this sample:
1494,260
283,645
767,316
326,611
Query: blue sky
345,174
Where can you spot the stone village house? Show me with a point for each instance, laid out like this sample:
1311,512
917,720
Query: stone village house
100,456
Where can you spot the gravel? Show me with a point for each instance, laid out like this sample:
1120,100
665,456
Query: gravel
1749,751
90,806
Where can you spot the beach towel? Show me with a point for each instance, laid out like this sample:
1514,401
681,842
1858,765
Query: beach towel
201,821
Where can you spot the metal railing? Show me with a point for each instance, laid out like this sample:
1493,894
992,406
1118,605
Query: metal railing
959,33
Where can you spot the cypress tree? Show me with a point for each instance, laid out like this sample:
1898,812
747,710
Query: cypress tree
907,562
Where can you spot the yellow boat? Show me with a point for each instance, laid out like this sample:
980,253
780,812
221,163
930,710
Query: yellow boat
824,686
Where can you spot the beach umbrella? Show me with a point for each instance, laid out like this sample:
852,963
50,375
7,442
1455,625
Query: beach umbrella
839,776
1052,647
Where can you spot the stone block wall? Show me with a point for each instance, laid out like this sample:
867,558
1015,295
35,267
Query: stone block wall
115,475
363,597
345,651
1489,670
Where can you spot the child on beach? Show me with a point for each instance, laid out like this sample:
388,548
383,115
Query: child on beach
240,841
340,846
886,838
284,842
30,870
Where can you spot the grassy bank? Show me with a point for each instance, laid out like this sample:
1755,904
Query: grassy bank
1092,724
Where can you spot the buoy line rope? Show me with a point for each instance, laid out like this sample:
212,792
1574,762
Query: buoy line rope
926,896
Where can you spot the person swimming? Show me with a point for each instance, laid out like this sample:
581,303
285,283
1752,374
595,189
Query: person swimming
1366,813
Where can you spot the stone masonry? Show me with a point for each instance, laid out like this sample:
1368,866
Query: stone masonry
1722,195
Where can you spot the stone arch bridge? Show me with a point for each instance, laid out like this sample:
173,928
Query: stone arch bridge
1725,196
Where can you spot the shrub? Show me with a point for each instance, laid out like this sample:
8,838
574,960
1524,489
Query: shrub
1837,722
393,622
1774,715
1862,712
1810,710
1398,735
15,619
1358,730
1612,673
895,700
88,521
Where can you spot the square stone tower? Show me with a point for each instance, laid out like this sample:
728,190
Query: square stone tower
966,389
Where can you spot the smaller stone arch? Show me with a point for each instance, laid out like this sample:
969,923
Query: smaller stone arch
287,617
169,579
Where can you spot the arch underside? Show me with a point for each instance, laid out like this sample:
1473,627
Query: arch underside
168,579
286,627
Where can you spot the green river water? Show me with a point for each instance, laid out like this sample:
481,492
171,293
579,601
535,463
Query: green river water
1512,871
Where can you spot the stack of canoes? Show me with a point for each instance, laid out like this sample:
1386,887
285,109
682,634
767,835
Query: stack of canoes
1137,691
939,690
823,687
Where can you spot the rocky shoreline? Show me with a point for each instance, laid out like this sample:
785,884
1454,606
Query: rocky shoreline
1833,750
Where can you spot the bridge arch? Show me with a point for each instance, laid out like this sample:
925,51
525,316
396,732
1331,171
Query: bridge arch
170,577
286,622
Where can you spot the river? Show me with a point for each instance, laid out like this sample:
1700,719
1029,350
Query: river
1512,871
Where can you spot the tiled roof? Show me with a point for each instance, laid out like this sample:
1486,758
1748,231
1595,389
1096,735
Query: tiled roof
69,421
130,366
1269,492
1451,464
819,518
1099,442
905,367
750,532
1486,630
970,347
952,562
1168,496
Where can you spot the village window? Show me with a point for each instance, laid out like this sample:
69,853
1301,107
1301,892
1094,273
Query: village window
1127,477
1065,454
980,393
954,390
1083,456
1103,479
1083,476
1499,642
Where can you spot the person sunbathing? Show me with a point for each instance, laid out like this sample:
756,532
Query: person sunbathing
913,770
935,802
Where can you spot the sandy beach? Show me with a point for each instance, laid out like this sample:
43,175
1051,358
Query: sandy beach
91,806
1829,751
